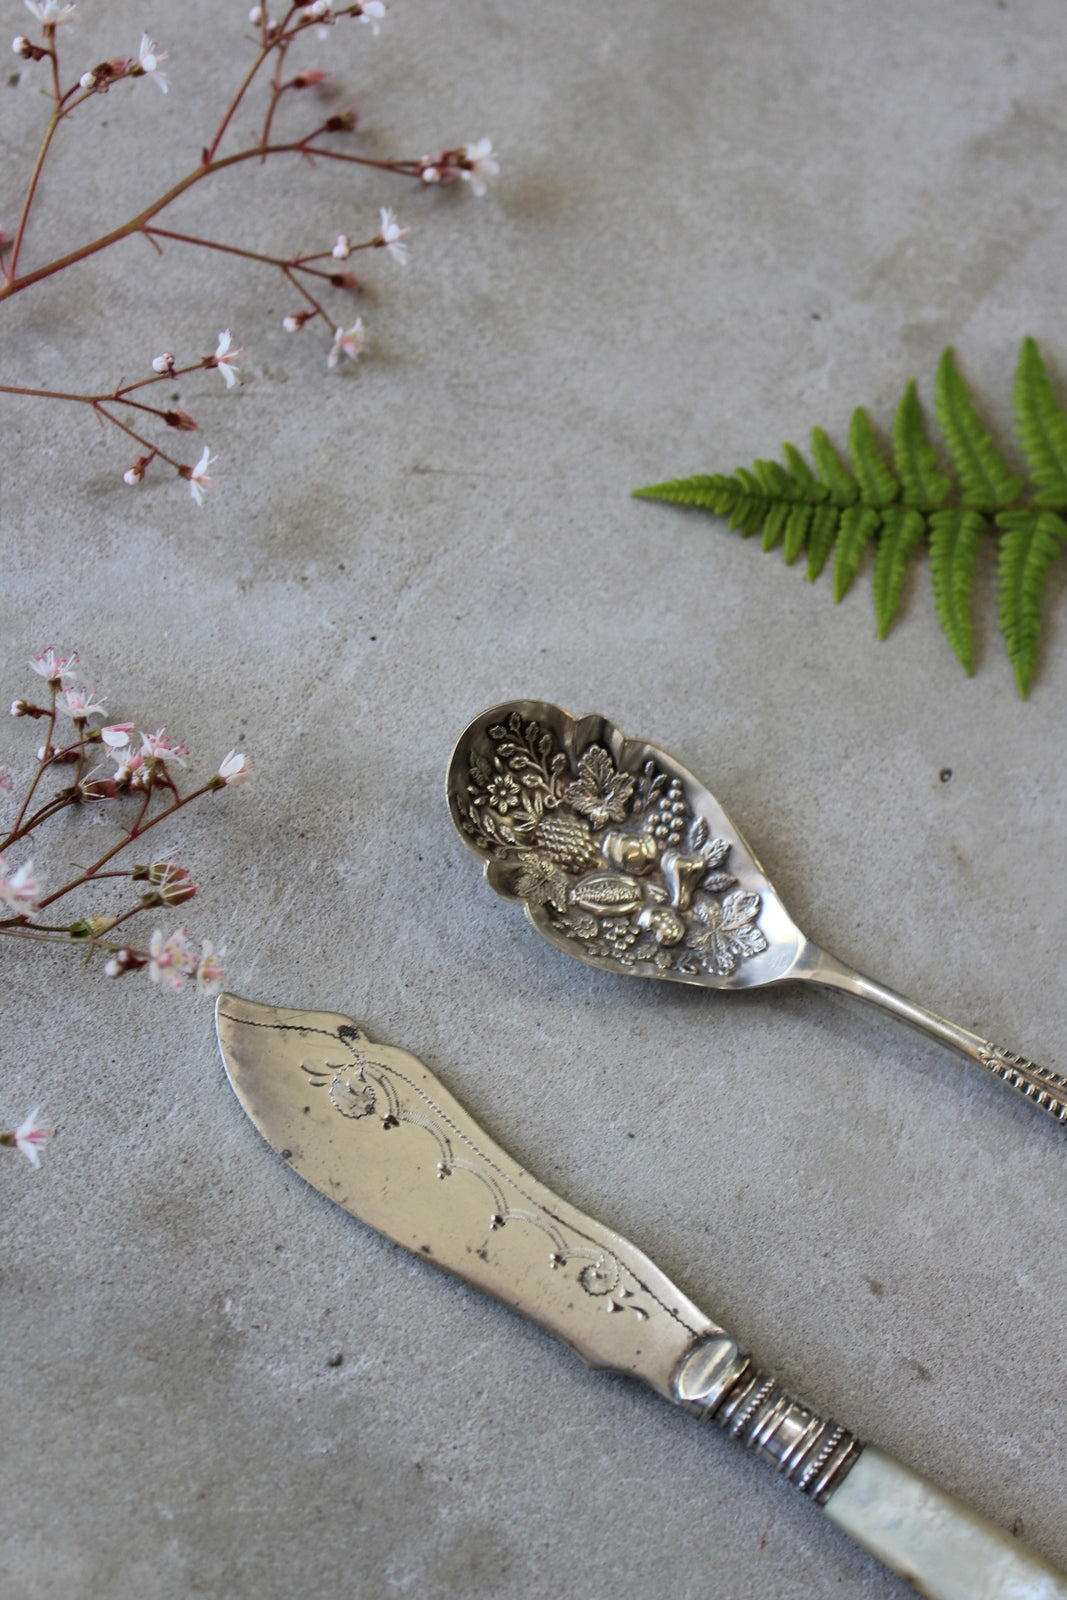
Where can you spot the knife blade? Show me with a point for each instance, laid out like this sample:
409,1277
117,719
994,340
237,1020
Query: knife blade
374,1130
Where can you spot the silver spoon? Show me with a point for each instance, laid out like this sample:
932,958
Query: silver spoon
623,859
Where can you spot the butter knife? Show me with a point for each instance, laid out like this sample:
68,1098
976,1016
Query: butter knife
371,1128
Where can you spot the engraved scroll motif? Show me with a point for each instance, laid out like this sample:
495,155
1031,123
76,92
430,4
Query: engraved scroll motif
618,861
365,1088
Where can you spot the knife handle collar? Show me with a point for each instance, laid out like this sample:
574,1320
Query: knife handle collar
717,1380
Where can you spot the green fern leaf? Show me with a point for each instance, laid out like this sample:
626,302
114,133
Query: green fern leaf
775,523
877,485
824,525
1030,542
1042,427
925,485
832,470
988,485
808,487
796,532
841,507
859,524
902,533
954,539
706,491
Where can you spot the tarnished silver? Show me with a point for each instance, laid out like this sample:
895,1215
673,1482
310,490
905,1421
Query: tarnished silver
374,1130
624,859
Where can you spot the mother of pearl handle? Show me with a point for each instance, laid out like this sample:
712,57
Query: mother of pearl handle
933,1540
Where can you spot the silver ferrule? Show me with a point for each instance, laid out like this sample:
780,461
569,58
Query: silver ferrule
717,1381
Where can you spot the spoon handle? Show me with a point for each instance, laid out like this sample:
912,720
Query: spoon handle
1039,1085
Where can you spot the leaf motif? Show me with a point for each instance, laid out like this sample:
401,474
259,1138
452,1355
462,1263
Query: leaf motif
739,908
859,524
877,485
1029,544
1042,427
925,485
698,834
716,852
954,540
717,882
902,533
988,484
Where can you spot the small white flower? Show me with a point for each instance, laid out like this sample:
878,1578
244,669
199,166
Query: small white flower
149,55
209,969
236,768
198,476
54,667
392,237
158,747
53,12
19,890
479,164
225,357
346,342
28,1135
342,249
172,958
319,10
163,363
79,704
371,11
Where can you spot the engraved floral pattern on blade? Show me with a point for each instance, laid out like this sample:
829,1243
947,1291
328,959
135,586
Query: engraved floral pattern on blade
617,860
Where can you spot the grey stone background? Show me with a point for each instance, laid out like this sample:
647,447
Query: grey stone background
716,225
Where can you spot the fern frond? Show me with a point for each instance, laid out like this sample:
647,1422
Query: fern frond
954,539
1030,541
925,485
842,506
858,526
902,533
1042,427
877,485
987,482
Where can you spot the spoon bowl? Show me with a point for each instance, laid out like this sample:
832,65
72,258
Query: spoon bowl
623,858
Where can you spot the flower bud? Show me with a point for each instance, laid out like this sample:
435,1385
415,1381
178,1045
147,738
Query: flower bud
255,16
133,474
342,249
87,81
22,46
19,708
163,363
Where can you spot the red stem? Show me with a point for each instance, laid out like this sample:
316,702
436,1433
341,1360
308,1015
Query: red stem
138,223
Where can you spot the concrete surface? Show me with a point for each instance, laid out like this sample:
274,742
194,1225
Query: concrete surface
716,225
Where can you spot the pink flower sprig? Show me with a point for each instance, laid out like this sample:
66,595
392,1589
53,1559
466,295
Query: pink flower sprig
310,275
139,774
